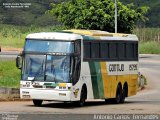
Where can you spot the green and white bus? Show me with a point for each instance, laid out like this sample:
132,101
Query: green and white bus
78,65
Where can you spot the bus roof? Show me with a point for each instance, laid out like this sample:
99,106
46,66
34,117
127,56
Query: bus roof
54,36
104,35
75,34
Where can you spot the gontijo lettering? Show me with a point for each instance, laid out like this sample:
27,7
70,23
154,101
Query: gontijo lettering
116,67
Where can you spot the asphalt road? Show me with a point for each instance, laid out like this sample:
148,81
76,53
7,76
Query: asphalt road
146,101
8,55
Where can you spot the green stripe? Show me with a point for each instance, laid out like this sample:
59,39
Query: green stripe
96,76
88,37
97,82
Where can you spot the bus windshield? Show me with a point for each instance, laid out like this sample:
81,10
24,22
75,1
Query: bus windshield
46,68
38,66
49,46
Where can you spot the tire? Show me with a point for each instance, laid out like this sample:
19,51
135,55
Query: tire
123,96
118,98
37,102
83,97
109,100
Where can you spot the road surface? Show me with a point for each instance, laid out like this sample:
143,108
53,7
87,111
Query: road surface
11,55
146,101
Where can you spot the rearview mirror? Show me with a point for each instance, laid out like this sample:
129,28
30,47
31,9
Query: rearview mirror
19,62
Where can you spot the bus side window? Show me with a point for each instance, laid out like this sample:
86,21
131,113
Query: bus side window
113,51
136,51
78,46
129,50
121,51
95,50
104,50
87,50
76,70
77,61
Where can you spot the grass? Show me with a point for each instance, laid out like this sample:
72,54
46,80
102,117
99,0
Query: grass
11,36
14,36
149,48
9,74
149,40
148,34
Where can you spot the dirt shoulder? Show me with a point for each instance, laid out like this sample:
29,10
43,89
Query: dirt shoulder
2,49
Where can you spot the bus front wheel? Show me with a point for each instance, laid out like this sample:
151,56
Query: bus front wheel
37,102
83,96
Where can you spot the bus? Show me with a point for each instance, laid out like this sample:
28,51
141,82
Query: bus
78,65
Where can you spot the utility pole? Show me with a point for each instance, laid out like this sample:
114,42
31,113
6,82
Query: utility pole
115,16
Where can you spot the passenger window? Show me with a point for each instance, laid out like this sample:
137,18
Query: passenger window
112,50
104,50
129,50
95,50
87,50
121,51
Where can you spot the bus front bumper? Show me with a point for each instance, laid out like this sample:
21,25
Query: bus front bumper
45,94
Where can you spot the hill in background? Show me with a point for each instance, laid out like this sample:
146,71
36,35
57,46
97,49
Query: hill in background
154,12
35,14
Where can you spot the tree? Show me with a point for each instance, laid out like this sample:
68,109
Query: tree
97,14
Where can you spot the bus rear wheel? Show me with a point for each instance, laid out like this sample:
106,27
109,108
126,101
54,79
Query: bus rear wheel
37,102
118,98
123,96
124,92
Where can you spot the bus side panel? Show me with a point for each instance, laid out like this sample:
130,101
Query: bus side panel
106,80
97,82
86,78
113,79
133,81
133,84
120,74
